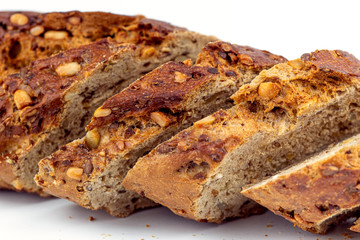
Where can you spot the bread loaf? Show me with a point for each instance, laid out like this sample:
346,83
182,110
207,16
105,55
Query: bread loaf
49,103
149,111
316,193
286,114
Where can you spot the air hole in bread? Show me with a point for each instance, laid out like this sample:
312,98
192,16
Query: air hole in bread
288,213
15,49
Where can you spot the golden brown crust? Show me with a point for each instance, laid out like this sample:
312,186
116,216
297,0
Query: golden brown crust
29,105
317,191
323,74
145,95
70,155
334,61
4,185
242,56
20,44
174,172
47,90
293,86
216,58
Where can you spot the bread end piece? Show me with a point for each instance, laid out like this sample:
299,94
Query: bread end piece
317,193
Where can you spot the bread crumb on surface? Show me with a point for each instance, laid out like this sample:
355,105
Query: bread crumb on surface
347,235
147,225
91,218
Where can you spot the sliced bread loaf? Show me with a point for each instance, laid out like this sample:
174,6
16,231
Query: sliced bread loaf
283,116
316,193
89,171
27,36
51,102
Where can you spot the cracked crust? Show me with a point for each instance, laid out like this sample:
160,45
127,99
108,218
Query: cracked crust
276,122
316,193
149,111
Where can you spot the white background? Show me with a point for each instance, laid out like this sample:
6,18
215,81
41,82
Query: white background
288,28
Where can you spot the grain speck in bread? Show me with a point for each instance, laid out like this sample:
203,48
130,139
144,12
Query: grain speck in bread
149,111
49,103
318,192
312,102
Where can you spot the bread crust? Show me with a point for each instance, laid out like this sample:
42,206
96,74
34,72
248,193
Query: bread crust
339,68
24,127
43,92
20,44
301,87
213,60
168,90
320,189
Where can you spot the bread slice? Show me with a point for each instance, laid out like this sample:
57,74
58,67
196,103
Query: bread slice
89,171
283,116
27,36
316,193
50,103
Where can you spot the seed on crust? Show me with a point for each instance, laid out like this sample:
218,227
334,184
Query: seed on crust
121,145
160,118
206,120
19,19
226,47
180,77
268,90
148,52
75,20
68,69
37,30
188,62
297,63
246,59
102,112
75,173
57,35
22,99
92,138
